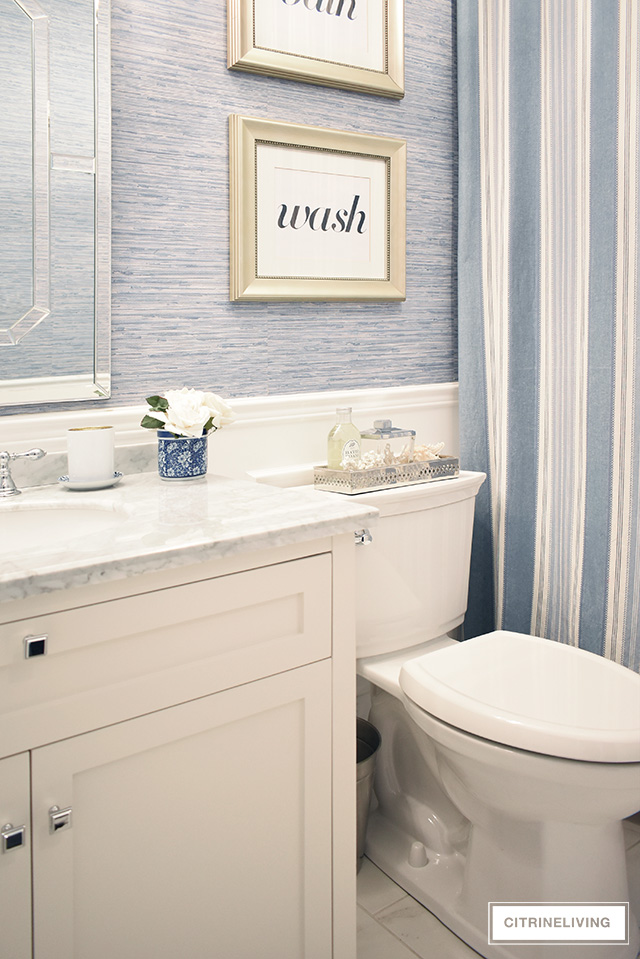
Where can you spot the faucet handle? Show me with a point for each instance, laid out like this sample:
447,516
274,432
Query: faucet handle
35,454
7,486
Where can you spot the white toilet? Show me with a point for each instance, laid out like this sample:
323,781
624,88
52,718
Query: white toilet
507,761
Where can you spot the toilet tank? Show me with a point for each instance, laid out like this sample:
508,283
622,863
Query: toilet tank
412,580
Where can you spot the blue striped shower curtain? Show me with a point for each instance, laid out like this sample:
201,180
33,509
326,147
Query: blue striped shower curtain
548,265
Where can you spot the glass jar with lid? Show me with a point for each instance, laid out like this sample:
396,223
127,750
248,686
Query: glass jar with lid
387,445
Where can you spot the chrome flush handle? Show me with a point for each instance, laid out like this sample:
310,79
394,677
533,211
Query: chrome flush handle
363,537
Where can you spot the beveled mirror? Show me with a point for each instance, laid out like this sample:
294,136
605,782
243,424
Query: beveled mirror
55,200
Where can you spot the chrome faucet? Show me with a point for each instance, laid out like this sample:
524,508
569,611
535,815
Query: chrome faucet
7,486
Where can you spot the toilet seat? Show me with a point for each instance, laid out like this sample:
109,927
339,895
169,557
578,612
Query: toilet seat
531,693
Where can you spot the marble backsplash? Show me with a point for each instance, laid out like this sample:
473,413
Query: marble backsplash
44,472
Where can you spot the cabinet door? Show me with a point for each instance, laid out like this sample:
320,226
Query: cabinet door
15,860
199,831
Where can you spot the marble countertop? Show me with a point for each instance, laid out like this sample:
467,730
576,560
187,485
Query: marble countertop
144,524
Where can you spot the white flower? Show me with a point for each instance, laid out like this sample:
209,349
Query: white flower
220,412
189,412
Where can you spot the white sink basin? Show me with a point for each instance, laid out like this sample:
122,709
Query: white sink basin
40,527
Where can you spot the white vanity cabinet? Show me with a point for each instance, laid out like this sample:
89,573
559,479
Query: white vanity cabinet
201,830
174,759
15,858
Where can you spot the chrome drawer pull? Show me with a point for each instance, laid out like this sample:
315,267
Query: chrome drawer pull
35,646
59,818
12,837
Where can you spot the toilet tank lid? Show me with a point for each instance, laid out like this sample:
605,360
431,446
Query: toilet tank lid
423,496
531,693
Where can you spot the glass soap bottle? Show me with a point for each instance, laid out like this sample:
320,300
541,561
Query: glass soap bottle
386,445
343,443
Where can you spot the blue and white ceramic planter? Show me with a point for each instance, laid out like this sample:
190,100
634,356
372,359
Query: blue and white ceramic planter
181,457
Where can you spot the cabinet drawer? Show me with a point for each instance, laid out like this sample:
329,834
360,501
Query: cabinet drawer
110,661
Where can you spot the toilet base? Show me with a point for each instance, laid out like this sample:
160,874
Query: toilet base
438,886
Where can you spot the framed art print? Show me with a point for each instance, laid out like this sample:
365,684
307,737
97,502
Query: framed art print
355,44
316,214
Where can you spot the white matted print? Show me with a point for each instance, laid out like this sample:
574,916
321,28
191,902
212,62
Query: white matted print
350,32
318,217
315,213
356,44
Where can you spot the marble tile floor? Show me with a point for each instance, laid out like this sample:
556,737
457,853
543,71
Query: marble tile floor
392,925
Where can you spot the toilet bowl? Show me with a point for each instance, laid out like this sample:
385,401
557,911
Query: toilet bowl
507,761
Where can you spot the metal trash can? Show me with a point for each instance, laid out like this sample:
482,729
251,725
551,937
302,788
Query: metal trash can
367,743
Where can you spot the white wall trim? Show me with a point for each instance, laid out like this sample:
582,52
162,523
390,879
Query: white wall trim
271,433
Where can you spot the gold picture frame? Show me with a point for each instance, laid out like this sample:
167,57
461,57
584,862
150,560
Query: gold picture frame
353,44
315,213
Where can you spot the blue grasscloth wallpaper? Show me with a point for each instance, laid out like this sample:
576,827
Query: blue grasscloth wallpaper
172,321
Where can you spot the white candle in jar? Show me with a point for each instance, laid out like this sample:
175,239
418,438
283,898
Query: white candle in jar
90,453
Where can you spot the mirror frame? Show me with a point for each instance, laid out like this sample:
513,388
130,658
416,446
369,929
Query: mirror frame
95,384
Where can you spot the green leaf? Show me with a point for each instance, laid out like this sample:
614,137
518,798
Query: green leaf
158,403
209,425
151,423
